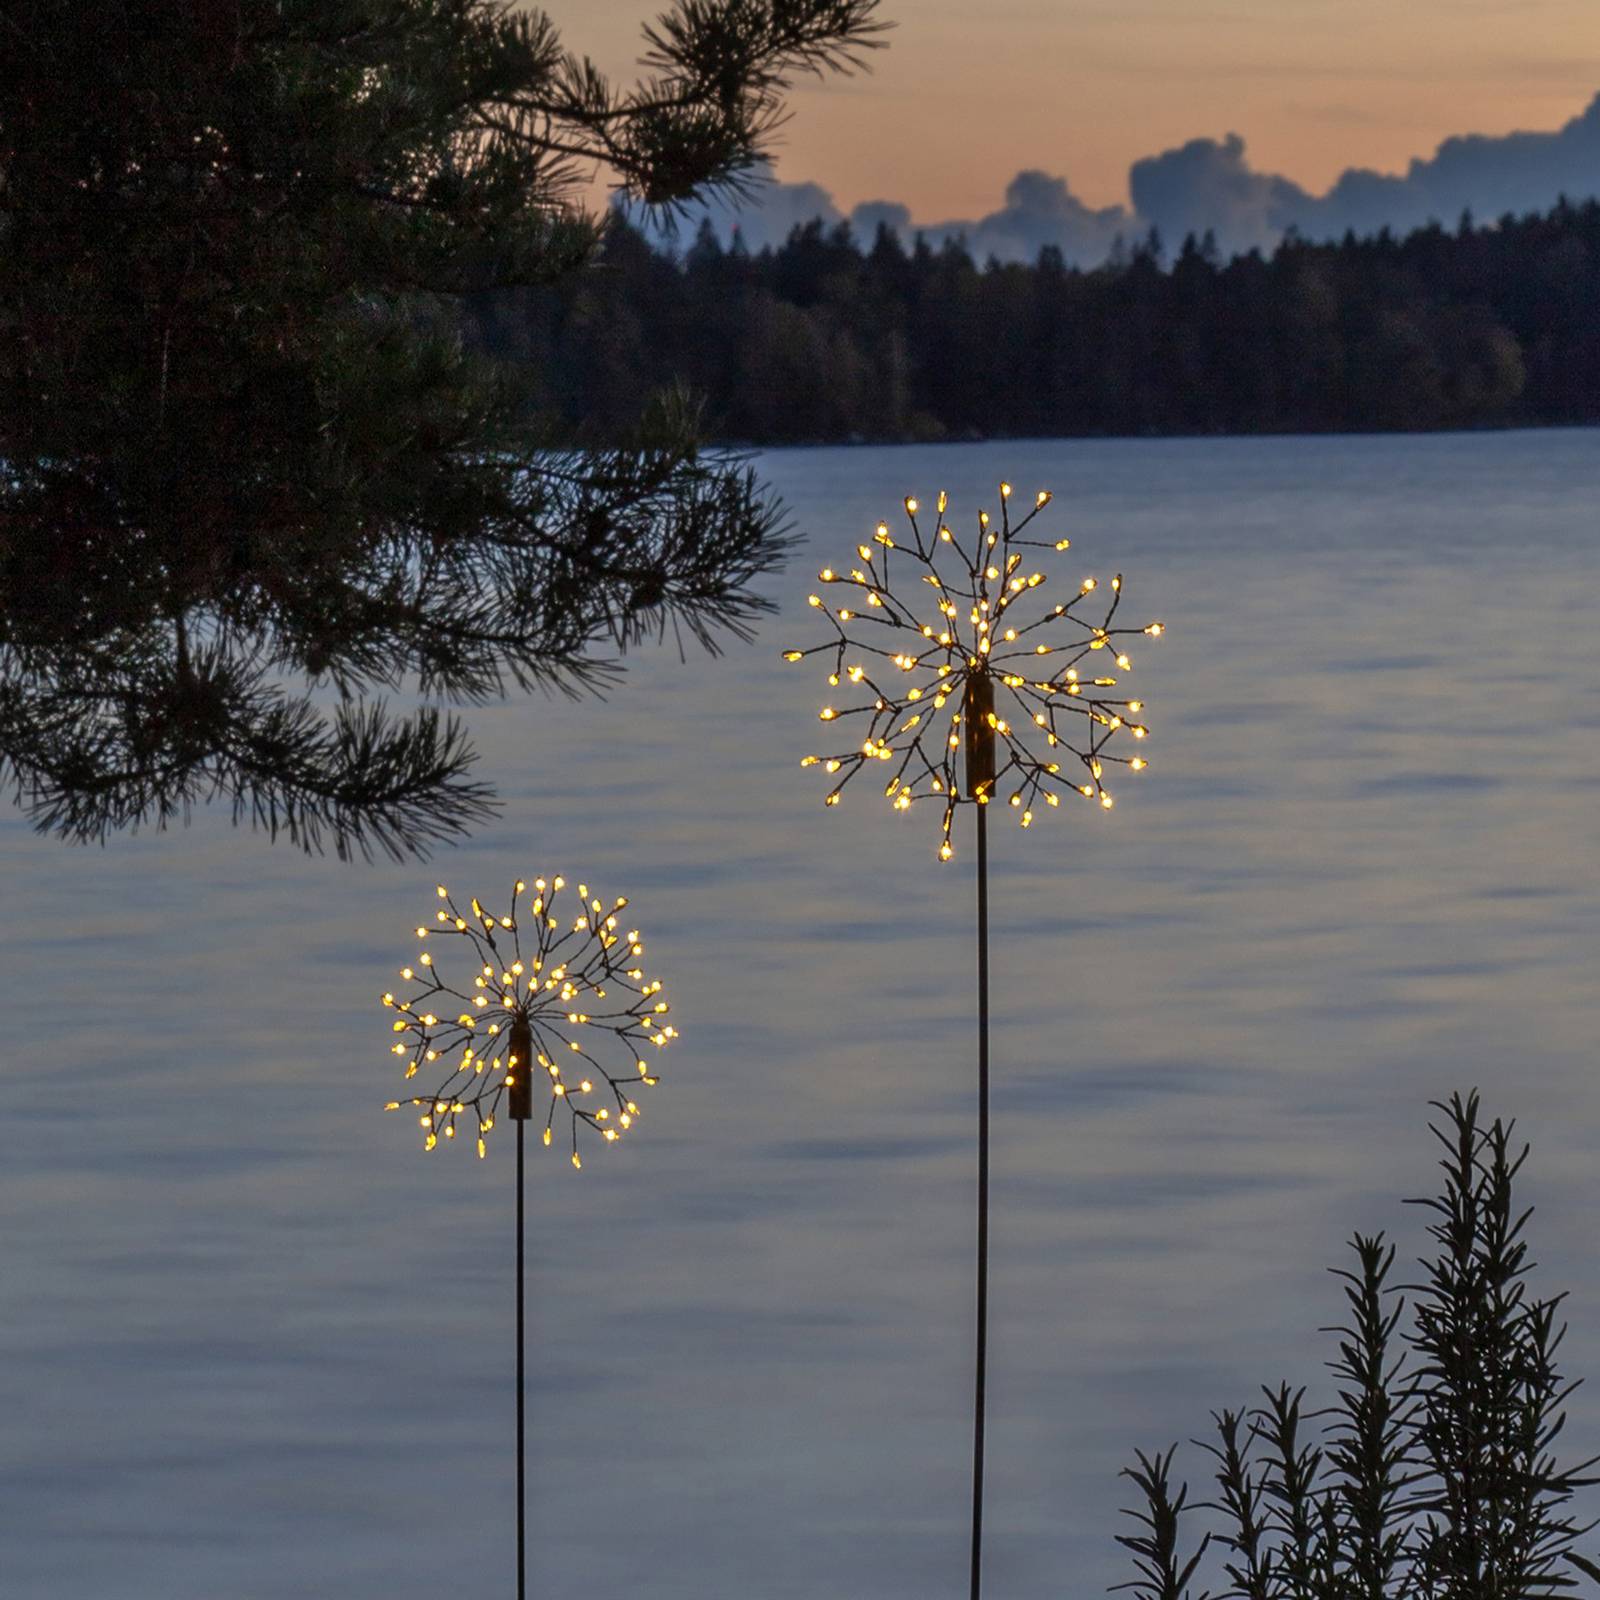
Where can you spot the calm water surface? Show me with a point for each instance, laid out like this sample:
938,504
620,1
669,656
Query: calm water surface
254,1344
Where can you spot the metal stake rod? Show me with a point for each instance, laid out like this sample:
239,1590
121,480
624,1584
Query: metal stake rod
522,1487
519,1102
983,1201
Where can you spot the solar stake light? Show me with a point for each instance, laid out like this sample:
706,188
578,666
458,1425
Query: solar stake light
962,681
557,1001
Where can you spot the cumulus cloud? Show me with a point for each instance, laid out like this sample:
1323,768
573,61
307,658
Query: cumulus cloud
766,215
1209,185
1479,173
868,217
1039,210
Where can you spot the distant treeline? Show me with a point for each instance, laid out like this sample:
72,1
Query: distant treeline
826,340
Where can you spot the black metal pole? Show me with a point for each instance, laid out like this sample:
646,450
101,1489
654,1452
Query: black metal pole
983,1202
522,1487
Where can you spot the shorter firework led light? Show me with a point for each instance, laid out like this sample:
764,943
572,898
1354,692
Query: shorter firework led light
557,998
1028,693
988,687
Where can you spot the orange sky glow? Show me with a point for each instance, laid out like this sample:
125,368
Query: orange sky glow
970,91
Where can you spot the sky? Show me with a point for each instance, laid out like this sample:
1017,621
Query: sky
967,96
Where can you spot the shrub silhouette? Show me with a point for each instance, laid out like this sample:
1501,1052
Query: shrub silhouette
1433,1475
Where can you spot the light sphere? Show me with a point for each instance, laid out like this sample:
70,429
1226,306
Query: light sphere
1016,675
557,1004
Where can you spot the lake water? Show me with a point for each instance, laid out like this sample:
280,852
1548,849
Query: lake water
254,1344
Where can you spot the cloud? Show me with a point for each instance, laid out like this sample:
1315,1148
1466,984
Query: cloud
1209,185
871,215
1517,172
1039,210
765,216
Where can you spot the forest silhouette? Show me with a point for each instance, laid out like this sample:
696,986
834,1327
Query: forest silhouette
827,339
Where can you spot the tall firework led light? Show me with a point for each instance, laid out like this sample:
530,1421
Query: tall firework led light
1024,696
556,998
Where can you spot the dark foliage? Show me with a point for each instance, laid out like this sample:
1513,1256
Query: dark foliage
830,339
1433,1476
1163,1574
248,453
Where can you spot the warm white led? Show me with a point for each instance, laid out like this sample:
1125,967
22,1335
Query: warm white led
983,656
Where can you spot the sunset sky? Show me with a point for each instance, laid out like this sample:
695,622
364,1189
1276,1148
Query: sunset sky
968,93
